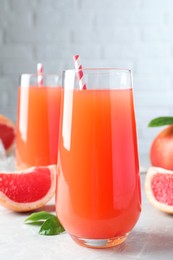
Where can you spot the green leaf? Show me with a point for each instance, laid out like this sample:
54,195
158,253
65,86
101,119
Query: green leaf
161,121
51,226
38,217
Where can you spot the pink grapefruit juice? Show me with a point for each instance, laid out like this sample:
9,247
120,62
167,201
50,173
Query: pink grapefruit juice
37,126
98,186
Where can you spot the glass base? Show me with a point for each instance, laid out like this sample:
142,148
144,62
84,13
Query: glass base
100,243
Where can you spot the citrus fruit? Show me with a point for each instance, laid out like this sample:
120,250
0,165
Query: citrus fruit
161,152
29,189
159,188
7,133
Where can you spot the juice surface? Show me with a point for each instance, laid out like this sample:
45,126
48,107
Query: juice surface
98,186
37,126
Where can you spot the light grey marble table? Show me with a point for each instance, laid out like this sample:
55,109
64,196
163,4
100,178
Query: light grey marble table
152,238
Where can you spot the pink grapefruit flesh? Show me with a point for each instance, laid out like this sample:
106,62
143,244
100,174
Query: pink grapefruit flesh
159,188
29,189
162,187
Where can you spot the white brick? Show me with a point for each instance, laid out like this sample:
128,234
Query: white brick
4,13
54,6
82,36
1,69
149,67
8,99
154,99
93,51
50,51
42,18
5,84
169,17
144,150
9,52
160,33
156,4
126,17
1,37
105,35
138,50
144,147
53,65
144,163
20,6
146,133
4,6
37,35
69,17
18,66
15,20
152,83
9,111
145,115
108,4
50,66
107,63
157,66
65,52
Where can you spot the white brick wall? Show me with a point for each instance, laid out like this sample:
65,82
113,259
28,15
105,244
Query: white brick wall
137,34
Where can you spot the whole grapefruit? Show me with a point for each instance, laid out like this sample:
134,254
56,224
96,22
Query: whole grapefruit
161,152
29,189
159,188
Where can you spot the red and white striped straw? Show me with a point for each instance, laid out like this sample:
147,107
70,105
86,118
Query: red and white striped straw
78,66
40,73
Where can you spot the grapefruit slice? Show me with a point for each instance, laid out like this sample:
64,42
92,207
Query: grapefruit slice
7,133
29,189
159,188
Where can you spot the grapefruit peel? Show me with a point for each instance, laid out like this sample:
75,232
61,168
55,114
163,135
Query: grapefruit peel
7,133
25,206
151,173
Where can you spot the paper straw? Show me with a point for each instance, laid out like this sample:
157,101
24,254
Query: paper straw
40,74
78,66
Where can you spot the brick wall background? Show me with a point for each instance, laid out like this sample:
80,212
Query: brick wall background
135,34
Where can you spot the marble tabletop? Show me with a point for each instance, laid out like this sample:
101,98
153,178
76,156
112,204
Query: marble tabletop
152,238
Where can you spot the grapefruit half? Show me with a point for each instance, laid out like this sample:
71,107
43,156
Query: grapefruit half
7,133
159,188
29,189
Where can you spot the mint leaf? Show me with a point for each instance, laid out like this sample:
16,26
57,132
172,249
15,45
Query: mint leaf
51,226
161,121
38,217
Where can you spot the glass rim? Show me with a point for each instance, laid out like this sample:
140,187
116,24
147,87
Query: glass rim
99,69
36,74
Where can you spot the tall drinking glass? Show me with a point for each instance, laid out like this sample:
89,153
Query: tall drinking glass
98,199
37,121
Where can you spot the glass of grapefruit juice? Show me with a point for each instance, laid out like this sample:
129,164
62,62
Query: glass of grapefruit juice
37,121
98,197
